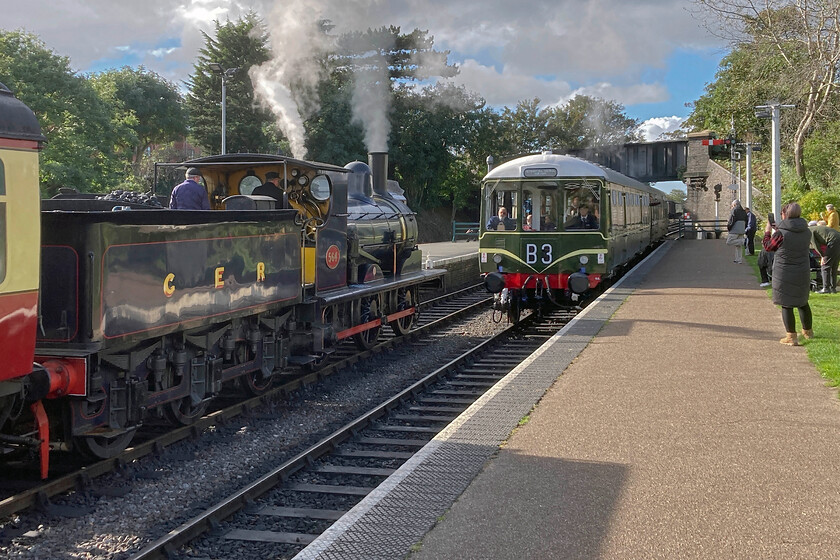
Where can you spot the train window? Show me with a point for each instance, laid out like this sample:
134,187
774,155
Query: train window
248,183
583,206
320,188
502,195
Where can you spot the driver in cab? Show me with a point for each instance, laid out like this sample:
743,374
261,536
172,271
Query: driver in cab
584,220
501,222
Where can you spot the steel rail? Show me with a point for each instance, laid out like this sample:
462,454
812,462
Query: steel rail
209,519
81,480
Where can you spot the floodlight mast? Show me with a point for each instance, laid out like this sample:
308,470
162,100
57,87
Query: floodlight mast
772,111
225,73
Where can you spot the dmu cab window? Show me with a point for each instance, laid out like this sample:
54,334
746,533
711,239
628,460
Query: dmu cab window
501,208
539,207
582,203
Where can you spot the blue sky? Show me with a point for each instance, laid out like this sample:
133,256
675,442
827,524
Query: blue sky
652,56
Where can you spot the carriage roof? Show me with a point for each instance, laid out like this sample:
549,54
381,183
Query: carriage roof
548,165
17,121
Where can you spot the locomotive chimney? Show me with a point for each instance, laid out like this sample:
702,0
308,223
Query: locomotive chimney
378,162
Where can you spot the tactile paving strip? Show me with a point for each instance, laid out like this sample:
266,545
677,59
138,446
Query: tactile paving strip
395,516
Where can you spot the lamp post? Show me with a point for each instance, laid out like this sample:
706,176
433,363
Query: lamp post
225,73
771,111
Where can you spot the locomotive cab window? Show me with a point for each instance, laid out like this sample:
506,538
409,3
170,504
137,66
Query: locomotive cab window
248,183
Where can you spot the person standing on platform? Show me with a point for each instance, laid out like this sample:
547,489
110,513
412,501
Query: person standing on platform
737,225
750,232
190,195
826,242
832,220
791,270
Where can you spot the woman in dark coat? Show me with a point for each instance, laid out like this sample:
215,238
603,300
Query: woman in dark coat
791,270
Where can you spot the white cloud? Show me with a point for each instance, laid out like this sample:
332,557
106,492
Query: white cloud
653,128
507,51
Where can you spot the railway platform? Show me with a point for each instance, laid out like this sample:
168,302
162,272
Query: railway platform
459,258
665,421
436,253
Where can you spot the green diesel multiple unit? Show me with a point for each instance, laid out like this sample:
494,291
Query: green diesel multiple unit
553,227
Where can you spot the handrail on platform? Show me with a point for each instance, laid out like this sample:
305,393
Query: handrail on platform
702,229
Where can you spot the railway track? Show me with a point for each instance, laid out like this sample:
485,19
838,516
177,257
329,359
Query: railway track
286,509
21,494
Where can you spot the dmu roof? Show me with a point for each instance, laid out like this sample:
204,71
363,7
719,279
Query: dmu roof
566,167
17,121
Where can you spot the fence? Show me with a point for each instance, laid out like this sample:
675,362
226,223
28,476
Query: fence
464,230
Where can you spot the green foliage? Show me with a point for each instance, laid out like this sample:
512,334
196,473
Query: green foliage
331,136
824,348
431,139
746,78
677,195
582,122
822,156
77,124
240,44
147,109
589,121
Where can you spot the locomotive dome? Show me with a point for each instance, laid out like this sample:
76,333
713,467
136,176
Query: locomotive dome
17,121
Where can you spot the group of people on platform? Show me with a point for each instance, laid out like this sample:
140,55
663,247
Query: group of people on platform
786,259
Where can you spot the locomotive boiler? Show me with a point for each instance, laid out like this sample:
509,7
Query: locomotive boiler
381,229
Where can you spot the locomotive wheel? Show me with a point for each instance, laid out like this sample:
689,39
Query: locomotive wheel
100,447
254,383
405,300
369,310
183,413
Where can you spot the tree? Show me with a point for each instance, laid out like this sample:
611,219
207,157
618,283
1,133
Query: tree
432,130
240,44
590,121
147,104
677,195
79,152
805,38
525,127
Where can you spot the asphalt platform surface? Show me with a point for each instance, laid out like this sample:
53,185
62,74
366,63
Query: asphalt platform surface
683,430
